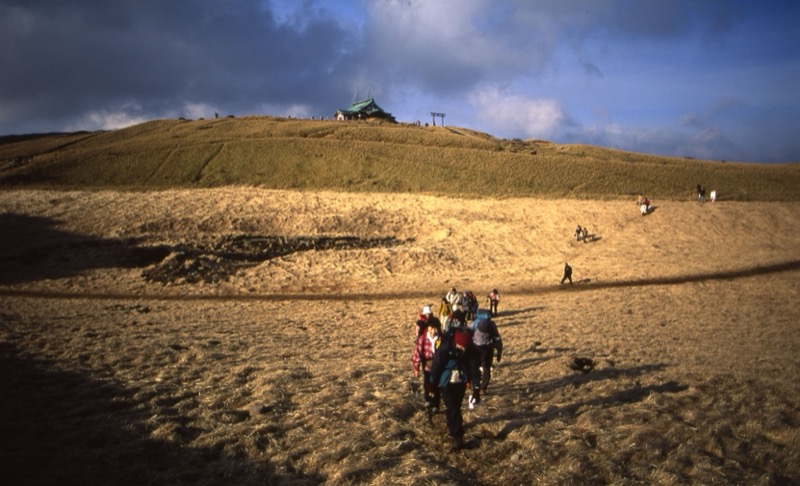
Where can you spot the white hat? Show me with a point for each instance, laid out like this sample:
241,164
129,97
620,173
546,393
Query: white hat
426,310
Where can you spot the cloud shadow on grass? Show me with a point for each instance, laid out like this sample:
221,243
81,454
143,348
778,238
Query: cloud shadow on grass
63,427
587,284
34,248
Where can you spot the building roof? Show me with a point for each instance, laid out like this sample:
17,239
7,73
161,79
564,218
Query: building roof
366,107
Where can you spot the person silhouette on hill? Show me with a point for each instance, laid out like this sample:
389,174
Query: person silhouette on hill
701,193
567,273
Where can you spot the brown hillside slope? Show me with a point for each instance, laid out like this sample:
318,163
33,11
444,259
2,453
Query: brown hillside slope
296,369
518,244
367,157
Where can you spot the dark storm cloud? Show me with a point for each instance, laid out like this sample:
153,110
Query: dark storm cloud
655,69
63,58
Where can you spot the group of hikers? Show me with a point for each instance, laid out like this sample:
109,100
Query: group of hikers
455,354
454,349
701,194
646,208
581,234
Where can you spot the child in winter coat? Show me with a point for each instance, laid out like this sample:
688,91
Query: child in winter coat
427,343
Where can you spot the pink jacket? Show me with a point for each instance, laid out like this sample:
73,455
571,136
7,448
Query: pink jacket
423,352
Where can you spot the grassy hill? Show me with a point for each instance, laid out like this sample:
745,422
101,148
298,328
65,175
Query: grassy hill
281,153
237,335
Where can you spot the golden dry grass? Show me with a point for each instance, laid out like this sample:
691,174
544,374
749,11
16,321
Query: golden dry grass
297,370
278,153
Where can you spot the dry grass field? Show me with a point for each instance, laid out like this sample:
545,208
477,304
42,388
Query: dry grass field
231,301
165,337
368,158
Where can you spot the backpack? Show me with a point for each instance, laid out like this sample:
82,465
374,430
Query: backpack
453,369
482,334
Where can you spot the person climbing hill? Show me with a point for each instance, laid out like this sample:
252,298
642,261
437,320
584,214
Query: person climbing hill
567,273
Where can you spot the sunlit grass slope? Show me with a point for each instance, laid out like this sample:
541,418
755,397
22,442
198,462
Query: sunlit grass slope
297,154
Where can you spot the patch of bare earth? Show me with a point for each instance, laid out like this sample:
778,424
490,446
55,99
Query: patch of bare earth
294,368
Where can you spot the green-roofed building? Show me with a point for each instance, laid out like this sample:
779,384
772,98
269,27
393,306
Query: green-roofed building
363,110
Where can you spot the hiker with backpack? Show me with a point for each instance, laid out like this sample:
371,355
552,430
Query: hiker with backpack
424,318
456,319
426,346
701,193
444,310
470,304
487,340
453,297
493,299
455,365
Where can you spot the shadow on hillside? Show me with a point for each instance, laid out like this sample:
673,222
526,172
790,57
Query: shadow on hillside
523,363
650,210
579,379
515,312
590,238
700,277
67,428
618,398
632,394
588,285
34,248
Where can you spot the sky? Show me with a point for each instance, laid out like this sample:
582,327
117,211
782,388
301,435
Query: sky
708,79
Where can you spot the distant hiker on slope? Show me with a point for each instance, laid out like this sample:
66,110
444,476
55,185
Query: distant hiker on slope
493,299
567,273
